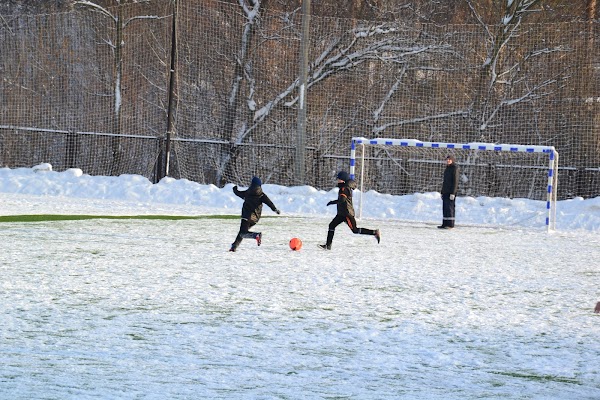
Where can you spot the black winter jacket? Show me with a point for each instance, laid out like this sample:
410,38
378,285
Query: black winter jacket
253,201
450,184
345,207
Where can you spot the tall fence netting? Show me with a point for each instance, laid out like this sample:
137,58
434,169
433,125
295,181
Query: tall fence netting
90,88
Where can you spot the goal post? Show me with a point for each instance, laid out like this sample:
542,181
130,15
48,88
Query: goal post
408,166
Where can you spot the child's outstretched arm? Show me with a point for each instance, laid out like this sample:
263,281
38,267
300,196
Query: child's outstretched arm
267,201
239,193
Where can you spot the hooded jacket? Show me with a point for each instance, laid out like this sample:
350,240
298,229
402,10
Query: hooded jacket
253,201
344,200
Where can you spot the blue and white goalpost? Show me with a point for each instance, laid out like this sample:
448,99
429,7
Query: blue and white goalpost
388,144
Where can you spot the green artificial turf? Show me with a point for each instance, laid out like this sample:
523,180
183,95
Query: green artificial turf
60,217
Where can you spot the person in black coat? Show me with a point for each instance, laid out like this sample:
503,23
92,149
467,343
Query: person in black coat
254,198
449,190
345,211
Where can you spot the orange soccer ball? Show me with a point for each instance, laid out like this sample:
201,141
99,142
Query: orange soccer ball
295,244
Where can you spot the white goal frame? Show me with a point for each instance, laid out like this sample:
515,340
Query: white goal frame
549,150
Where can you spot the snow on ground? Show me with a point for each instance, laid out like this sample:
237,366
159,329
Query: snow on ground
155,309
41,190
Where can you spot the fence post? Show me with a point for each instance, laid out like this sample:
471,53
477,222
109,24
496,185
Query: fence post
170,111
301,131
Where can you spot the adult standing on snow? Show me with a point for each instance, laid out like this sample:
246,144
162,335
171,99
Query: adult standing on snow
449,190
251,211
345,211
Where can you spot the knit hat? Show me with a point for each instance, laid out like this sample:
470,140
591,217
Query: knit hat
344,176
256,181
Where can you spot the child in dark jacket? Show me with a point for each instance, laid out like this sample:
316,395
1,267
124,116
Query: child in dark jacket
345,211
251,211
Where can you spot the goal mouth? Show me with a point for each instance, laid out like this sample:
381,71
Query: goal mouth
408,166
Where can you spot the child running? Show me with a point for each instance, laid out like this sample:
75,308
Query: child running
251,211
345,211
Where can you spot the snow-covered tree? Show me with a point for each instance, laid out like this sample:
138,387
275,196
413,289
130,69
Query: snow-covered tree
341,53
506,66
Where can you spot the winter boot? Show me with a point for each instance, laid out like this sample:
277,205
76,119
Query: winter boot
258,238
327,245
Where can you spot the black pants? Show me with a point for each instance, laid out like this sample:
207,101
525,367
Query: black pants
351,222
448,210
244,232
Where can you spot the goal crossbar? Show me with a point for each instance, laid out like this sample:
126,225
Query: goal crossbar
549,150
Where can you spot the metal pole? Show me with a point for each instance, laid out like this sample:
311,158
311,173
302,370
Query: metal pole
170,111
301,131
362,179
553,196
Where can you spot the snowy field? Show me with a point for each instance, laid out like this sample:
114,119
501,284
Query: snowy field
158,309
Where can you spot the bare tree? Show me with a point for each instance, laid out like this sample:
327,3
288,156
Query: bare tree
117,45
242,73
344,52
505,67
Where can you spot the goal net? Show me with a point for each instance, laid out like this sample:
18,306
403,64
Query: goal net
408,166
